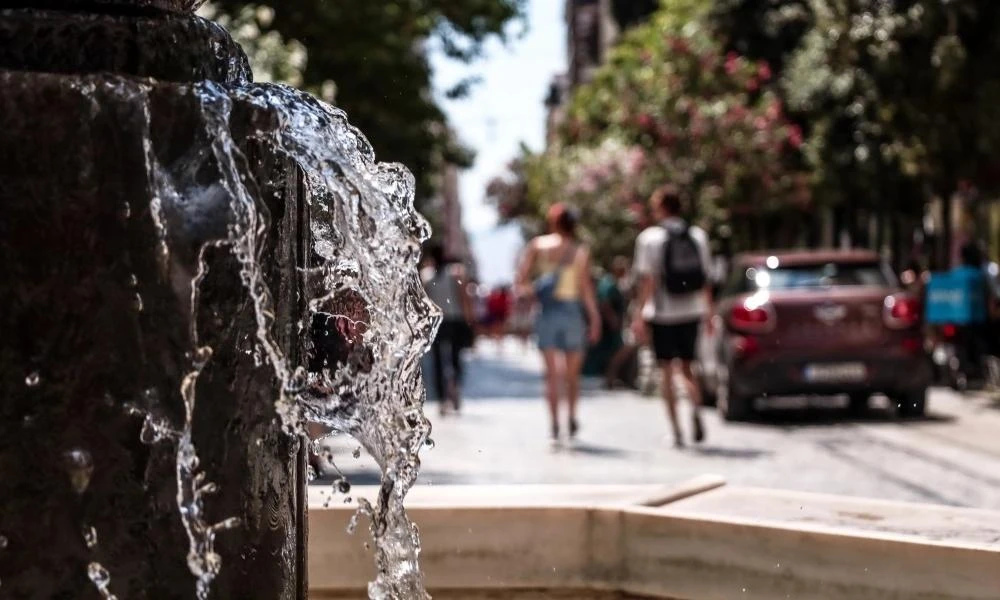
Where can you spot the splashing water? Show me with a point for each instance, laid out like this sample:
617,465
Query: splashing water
101,580
366,237
90,537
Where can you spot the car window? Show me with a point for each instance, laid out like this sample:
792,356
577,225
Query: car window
820,276
737,283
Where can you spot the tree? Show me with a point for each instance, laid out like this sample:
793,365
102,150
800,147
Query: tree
769,30
671,106
904,96
371,58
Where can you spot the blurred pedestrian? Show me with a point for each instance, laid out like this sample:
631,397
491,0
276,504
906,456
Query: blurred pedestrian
672,262
611,304
555,271
498,306
623,368
447,286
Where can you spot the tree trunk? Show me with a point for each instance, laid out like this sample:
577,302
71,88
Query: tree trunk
97,321
947,234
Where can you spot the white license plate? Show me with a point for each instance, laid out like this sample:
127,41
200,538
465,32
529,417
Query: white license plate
836,373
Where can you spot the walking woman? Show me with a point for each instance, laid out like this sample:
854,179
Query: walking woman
555,271
447,286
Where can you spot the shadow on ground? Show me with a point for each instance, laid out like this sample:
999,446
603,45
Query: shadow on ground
712,451
596,450
831,411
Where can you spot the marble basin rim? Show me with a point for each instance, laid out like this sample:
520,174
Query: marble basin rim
701,540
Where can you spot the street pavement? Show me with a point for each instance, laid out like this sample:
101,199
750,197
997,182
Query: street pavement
501,437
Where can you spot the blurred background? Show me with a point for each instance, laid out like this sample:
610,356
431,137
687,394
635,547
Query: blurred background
870,126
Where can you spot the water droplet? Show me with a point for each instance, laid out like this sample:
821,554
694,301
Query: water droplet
357,452
3,542
343,486
133,281
150,395
90,537
200,356
99,575
79,466
311,473
259,442
126,210
227,524
137,303
429,443
33,379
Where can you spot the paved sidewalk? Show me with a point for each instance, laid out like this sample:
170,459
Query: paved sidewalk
952,457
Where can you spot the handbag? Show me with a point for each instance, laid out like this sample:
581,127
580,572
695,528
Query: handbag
545,285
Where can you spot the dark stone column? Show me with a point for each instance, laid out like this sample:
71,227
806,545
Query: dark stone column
95,319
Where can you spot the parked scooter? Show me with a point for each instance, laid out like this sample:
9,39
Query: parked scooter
949,368
962,313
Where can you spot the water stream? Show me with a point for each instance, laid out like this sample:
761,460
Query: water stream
366,236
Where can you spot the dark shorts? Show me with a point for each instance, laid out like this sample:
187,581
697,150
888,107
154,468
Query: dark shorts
677,340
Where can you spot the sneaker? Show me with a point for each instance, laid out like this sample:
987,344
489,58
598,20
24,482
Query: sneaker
678,439
699,430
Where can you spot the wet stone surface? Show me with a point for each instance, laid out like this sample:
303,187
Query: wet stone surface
79,245
127,6
180,48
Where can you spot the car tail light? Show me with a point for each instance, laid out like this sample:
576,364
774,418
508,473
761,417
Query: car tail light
949,332
752,317
901,311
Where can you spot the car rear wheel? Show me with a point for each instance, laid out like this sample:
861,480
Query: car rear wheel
858,402
912,404
732,406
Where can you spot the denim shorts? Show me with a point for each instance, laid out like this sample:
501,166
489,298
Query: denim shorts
561,326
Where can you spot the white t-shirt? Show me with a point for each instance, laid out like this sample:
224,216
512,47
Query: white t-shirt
665,308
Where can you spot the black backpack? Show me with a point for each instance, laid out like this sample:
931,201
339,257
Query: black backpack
683,271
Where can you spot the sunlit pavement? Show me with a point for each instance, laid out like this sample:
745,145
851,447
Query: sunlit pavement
951,457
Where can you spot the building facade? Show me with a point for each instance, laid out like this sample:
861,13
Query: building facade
592,26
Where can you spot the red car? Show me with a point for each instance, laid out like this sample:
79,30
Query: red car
814,322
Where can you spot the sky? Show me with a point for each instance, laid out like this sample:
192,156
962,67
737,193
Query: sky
502,111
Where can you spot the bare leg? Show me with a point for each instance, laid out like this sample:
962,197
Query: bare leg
574,361
616,363
552,376
694,393
667,383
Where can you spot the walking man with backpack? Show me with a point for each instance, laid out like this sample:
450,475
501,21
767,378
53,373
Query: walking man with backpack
672,259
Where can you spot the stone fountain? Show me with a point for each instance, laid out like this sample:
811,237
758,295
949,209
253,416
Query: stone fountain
194,267
97,322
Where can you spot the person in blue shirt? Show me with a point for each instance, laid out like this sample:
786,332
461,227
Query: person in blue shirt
972,273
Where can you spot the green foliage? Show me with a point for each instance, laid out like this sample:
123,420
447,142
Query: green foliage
371,59
768,30
903,89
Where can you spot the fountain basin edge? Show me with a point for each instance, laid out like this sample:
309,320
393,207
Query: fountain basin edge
698,541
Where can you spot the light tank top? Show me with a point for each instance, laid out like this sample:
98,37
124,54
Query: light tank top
567,287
